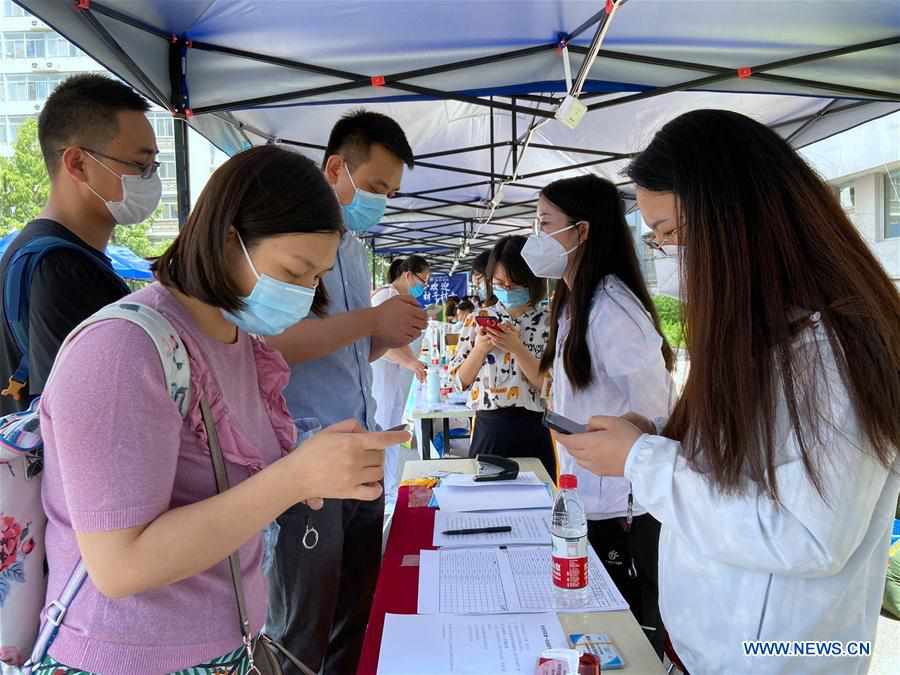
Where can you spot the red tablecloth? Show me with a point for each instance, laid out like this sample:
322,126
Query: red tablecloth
397,592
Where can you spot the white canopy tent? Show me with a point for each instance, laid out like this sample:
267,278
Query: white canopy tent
469,80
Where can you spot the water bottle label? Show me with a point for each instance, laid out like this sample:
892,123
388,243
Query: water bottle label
569,572
569,563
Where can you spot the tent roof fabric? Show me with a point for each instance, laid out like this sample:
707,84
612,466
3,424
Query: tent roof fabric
467,79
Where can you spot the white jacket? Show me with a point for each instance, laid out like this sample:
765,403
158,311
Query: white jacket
628,375
735,568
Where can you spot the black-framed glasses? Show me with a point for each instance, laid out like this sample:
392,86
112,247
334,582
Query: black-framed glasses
146,170
650,240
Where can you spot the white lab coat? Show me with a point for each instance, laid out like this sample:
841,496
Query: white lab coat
390,381
390,389
629,375
735,568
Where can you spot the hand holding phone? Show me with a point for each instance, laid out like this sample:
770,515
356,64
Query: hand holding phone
562,424
488,322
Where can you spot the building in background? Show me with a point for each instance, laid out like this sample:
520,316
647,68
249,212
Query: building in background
34,59
863,166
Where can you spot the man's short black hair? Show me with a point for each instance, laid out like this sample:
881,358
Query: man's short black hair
82,111
357,131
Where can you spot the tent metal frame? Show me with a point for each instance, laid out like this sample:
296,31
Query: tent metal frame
400,237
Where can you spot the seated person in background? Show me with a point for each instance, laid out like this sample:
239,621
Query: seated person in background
463,310
479,268
500,366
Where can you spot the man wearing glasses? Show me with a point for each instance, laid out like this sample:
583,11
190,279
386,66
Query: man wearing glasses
100,153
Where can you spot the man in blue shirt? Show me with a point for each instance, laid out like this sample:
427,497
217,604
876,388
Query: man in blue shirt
321,586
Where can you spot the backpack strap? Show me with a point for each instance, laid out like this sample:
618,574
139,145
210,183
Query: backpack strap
17,300
177,368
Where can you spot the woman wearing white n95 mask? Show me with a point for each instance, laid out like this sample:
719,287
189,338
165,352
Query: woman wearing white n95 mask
776,477
605,352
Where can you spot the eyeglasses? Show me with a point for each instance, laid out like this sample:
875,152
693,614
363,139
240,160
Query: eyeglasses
146,170
538,226
655,245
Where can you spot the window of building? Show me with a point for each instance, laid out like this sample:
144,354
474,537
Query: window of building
58,46
14,45
9,127
163,125
847,195
31,87
170,210
892,204
35,46
166,165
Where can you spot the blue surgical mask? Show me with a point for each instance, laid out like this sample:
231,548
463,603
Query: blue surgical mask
512,298
481,291
365,211
417,291
273,306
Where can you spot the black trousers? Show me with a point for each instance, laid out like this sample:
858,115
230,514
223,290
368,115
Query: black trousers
619,550
513,432
319,599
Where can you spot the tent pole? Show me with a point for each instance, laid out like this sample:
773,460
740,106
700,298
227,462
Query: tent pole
110,42
455,151
515,139
812,120
181,110
493,147
182,171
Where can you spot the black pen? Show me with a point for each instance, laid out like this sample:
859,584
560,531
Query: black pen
481,530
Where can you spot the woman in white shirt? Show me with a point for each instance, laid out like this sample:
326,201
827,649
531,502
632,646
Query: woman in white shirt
776,476
393,373
500,367
606,353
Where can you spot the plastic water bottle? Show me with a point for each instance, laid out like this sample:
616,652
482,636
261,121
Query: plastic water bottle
433,383
446,380
570,546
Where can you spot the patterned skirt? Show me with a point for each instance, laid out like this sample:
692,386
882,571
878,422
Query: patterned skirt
235,663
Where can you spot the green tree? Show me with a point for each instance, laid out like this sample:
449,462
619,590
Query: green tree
137,237
24,186
669,310
24,183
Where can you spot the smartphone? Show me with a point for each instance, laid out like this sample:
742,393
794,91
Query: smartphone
562,424
488,321
399,427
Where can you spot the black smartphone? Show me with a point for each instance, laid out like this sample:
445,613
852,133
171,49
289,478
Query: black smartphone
399,427
562,424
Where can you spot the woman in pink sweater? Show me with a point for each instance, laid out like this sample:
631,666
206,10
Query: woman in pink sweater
129,485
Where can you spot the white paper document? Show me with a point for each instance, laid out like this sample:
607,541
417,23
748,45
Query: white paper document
528,527
474,645
468,480
504,581
493,498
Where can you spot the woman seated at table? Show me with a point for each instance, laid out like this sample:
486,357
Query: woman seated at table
500,366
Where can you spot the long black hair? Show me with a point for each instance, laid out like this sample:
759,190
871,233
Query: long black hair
608,249
764,239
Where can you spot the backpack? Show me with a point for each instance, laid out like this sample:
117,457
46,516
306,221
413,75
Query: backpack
17,301
22,520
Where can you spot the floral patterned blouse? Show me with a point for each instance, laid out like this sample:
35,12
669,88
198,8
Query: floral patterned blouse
501,383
